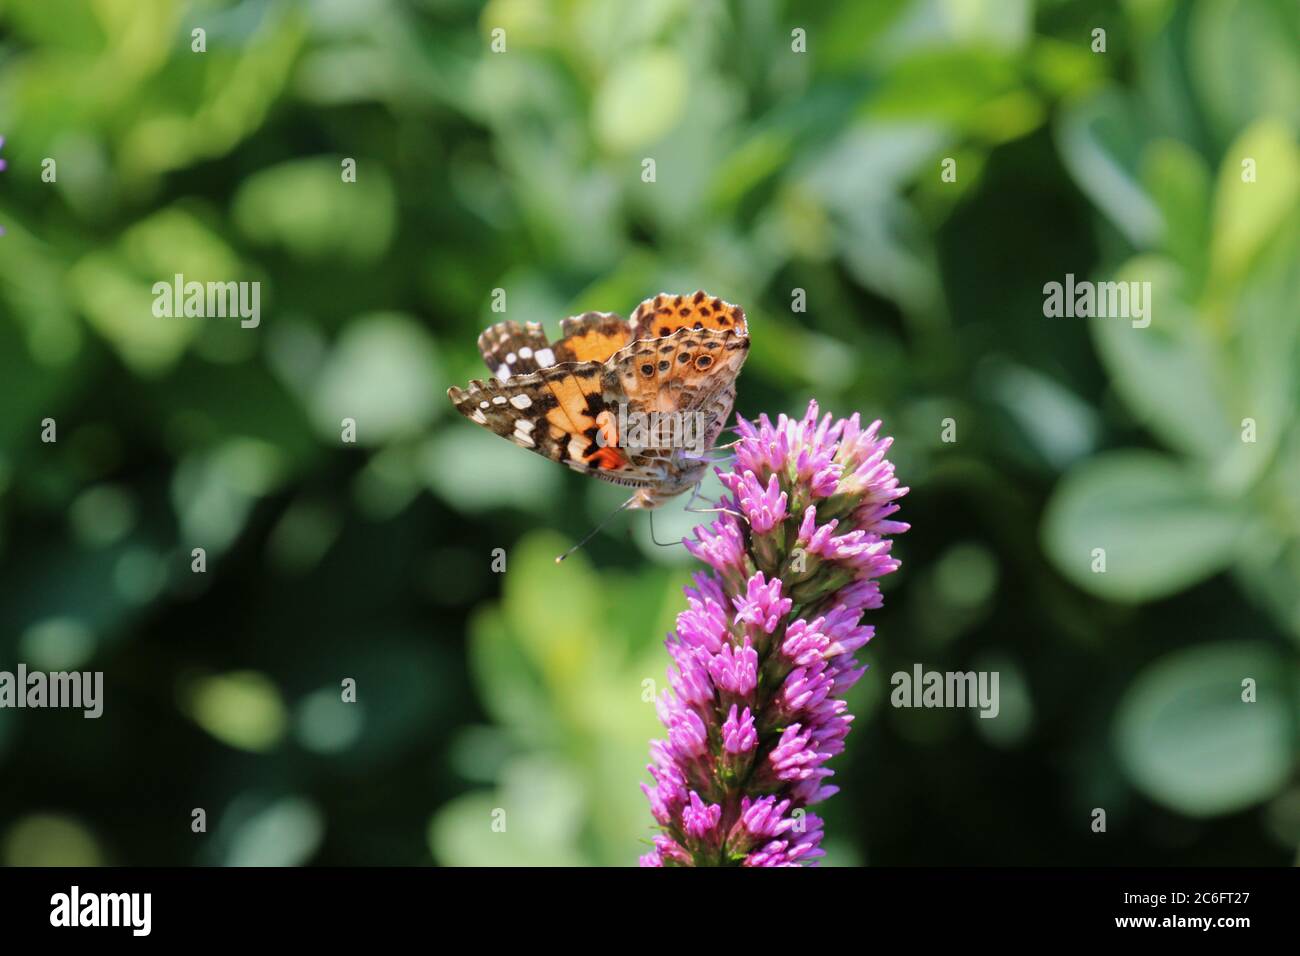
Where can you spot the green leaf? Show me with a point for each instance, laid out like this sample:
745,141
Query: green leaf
1247,214
384,373
1168,372
1160,530
1268,574
243,709
199,107
306,207
974,89
1266,364
640,101
1243,62
258,832
1188,740
476,470
540,658
509,684
1058,425
213,491
533,819
1269,566
554,615
1179,181
113,286
567,665
764,154
1100,141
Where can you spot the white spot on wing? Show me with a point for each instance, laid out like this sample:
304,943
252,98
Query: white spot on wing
503,372
520,401
498,400
545,357
525,352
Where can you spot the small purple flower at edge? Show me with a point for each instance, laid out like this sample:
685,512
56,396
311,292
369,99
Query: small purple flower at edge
764,653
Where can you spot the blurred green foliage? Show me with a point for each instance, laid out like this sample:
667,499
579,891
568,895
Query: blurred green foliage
523,697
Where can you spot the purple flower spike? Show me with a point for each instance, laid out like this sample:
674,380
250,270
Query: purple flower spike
764,653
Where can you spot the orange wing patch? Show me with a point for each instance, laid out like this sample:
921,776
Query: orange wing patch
607,455
572,413
666,314
579,420
591,337
607,459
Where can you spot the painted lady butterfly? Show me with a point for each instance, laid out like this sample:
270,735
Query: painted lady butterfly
614,398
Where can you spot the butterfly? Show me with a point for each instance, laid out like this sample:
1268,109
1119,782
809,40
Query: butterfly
634,402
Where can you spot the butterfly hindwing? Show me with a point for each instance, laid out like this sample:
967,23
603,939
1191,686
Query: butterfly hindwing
592,337
510,349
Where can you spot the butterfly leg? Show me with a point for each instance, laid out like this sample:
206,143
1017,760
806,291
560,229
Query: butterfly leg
714,510
723,452
695,493
711,511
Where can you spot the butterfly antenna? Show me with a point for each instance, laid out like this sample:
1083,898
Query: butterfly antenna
592,533
662,544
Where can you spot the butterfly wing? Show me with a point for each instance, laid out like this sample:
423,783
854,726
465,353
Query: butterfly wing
665,314
691,372
559,413
565,400
510,349
676,373
592,337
